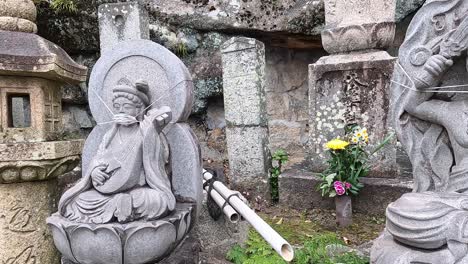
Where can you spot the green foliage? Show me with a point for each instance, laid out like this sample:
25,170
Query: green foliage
61,5
279,157
181,50
257,251
348,162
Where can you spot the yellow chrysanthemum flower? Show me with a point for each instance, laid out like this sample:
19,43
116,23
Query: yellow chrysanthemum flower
359,134
337,144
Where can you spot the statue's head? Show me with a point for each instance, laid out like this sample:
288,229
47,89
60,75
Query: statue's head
129,98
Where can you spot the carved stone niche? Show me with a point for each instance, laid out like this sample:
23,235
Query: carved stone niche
351,89
358,25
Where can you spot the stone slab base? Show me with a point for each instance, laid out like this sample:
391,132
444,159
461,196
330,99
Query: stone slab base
297,190
387,251
24,235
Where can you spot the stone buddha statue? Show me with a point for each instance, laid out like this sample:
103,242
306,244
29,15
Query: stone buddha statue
430,107
127,178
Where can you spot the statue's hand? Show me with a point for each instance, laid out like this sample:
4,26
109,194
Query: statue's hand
434,68
99,176
160,118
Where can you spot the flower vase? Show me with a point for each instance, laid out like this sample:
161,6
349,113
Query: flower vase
344,211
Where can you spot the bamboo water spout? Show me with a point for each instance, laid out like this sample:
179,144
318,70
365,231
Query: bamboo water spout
279,244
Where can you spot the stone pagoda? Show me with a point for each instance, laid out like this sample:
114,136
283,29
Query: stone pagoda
32,155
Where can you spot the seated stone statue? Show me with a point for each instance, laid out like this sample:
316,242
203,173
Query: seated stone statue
432,125
127,178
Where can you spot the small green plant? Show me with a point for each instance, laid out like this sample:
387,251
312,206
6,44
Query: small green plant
181,50
278,158
348,163
61,5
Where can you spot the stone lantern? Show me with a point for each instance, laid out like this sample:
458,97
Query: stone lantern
32,155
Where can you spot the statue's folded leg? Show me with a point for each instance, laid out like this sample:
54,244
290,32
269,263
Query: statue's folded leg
149,204
94,207
430,221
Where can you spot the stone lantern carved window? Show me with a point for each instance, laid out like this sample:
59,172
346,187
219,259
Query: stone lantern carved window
18,110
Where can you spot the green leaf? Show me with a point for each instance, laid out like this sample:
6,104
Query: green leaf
383,143
330,178
332,194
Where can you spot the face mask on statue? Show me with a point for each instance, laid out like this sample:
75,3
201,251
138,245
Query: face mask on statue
124,119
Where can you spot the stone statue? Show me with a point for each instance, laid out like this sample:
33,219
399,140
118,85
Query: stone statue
127,179
141,188
431,114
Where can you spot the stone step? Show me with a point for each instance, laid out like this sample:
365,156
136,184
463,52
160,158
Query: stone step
297,189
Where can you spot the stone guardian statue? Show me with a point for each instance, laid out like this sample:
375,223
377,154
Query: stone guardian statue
430,109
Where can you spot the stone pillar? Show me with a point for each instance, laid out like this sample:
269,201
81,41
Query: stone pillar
245,113
351,86
120,22
31,153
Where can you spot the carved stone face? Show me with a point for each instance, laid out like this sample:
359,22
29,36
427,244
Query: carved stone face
123,105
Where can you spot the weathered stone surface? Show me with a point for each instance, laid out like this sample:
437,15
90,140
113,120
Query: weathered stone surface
287,100
76,118
121,22
359,25
387,250
18,16
188,252
248,154
24,208
284,23
28,161
45,108
27,54
40,150
352,89
145,241
372,199
245,113
244,82
218,237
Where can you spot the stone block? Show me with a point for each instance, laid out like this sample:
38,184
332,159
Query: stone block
352,89
373,198
120,22
249,159
248,153
244,101
40,150
358,25
244,82
24,208
40,105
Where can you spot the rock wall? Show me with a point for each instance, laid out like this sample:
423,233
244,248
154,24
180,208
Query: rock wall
195,30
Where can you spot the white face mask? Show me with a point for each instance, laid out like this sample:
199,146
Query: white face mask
124,119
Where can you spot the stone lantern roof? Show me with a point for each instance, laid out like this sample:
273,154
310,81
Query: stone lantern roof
23,53
27,54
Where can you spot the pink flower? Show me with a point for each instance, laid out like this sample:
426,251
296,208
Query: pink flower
347,185
339,188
